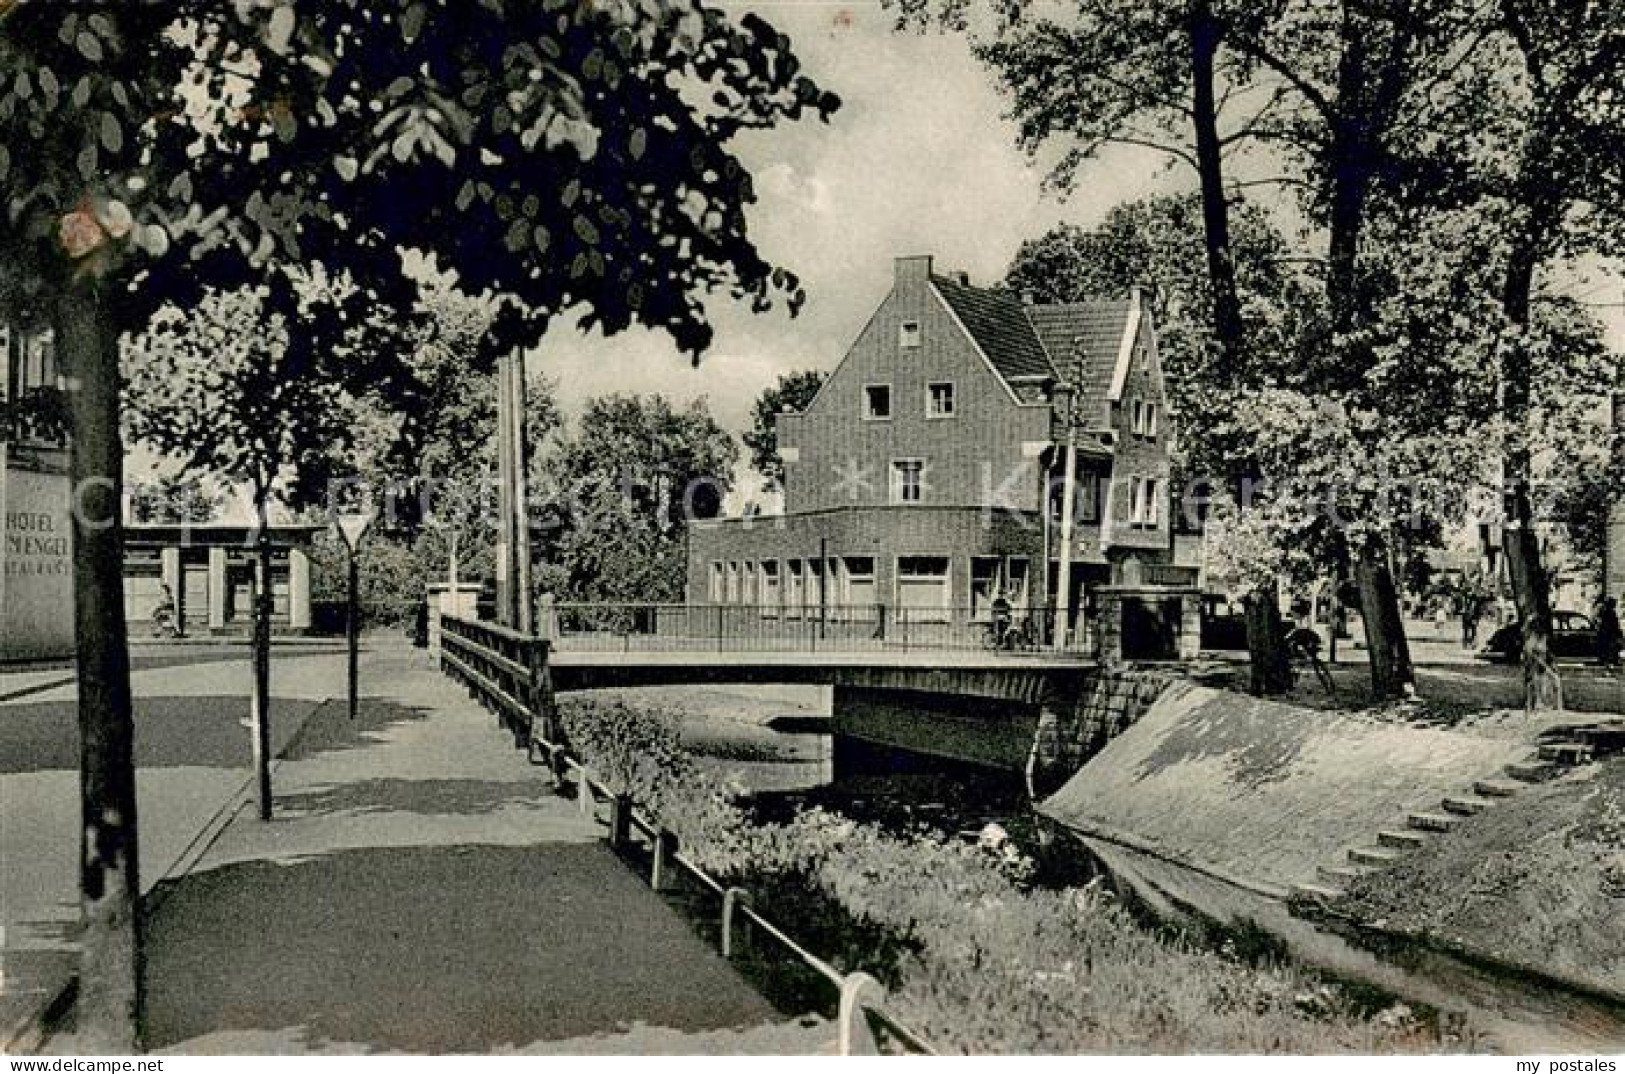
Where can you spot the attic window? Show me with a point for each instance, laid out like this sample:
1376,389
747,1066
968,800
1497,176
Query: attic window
877,401
908,335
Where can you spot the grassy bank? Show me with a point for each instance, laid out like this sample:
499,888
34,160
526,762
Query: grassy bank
978,958
1538,880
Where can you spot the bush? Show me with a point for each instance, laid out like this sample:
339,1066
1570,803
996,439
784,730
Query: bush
977,960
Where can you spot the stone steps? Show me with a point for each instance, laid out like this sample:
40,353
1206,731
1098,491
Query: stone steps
1394,844
1316,892
1536,771
1340,875
1566,753
1377,856
1401,840
1432,822
1467,805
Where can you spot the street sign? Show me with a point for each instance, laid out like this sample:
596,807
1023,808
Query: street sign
351,527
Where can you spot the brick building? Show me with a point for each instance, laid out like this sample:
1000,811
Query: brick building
917,479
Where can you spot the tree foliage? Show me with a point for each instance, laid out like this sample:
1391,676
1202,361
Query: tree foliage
628,480
222,389
792,394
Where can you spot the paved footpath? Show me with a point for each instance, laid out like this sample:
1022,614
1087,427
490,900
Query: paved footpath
423,890
192,760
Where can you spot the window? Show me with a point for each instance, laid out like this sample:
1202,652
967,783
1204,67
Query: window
717,592
907,480
923,588
770,588
733,583
1151,419
909,335
859,581
1142,504
939,400
1085,502
876,402
747,588
792,588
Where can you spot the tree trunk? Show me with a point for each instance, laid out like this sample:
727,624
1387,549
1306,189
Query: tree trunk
1271,672
1542,685
1392,675
111,965
260,701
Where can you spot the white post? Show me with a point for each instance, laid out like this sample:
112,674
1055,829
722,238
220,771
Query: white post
217,588
174,576
298,589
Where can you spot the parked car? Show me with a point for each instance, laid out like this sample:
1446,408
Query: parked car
1574,637
1224,627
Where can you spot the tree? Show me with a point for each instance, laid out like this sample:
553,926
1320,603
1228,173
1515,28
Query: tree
221,389
173,498
574,154
632,476
1563,170
791,395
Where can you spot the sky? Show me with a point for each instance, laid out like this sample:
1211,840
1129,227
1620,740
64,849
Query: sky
918,160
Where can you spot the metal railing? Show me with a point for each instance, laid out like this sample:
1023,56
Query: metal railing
507,672
625,627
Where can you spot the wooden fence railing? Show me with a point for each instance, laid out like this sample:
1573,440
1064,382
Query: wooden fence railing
507,673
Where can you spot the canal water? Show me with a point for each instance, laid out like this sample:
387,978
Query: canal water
774,744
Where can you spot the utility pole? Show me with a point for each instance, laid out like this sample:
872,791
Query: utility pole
513,528
1069,477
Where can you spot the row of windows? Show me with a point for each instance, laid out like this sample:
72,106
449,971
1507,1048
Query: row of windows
939,401
921,583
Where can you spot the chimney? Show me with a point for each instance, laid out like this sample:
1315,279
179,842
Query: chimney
913,271
963,277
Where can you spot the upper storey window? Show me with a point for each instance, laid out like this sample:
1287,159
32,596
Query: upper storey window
877,401
939,400
909,335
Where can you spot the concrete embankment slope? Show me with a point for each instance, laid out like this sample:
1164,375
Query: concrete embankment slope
1261,792
1213,805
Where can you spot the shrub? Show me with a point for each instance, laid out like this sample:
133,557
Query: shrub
977,960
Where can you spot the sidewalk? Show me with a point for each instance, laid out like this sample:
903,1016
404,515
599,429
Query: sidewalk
192,760
423,890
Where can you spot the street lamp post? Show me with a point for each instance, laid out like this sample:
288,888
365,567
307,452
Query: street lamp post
351,528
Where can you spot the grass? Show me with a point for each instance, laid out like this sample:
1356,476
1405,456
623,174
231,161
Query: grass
979,958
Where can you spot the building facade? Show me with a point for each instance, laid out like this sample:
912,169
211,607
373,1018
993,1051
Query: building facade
36,562
926,477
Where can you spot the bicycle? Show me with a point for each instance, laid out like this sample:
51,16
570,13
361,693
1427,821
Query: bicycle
1303,648
1009,636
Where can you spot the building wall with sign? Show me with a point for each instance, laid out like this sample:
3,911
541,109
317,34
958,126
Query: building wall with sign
36,561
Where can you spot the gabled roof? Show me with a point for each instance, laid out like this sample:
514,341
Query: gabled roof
1079,341
996,322
1086,337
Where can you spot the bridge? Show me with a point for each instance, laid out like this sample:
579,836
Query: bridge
928,682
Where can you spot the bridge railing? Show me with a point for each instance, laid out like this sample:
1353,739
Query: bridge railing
507,673
629,627
504,669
